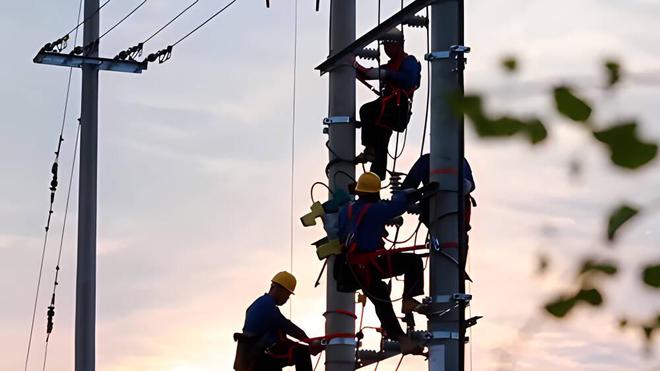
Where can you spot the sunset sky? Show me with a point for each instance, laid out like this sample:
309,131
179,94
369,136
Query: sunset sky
195,167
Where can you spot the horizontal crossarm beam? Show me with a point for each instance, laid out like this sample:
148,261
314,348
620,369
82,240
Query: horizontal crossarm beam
375,33
68,60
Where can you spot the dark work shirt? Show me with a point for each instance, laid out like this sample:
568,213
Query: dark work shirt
369,234
264,320
408,76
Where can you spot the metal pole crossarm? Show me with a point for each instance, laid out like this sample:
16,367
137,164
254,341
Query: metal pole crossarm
375,33
68,60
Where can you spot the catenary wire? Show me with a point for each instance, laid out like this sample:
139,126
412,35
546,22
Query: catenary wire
50,212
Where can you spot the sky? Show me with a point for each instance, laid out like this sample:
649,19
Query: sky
195,181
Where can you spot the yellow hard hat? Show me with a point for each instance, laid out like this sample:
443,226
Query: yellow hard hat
368,183
286,280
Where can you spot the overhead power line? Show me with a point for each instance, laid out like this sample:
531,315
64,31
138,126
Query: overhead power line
92,45
204,23
136,50
164,54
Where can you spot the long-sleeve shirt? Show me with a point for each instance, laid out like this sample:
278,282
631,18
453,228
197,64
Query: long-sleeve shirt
408,76
419,173
369,234
264,321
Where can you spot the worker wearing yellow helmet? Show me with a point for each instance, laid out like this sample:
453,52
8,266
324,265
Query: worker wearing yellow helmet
362,231
263,345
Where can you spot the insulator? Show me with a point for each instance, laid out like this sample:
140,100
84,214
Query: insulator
368,53
50,314
77,50
416,21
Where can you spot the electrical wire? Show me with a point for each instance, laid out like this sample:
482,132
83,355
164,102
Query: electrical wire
59,254
293,137
428,85
122,20
92,46
86,19
53,189
311,190
170,22
204,23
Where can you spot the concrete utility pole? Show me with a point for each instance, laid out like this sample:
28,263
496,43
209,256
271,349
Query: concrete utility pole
85,343
340,353
446,276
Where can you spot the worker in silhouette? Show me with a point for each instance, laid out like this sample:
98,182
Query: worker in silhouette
362,229
391,111
419,174
263,345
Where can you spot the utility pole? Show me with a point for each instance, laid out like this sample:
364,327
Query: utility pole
89,61
85,340
340,353
447,281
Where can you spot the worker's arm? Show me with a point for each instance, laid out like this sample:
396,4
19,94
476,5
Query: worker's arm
294,331
390,209
419,173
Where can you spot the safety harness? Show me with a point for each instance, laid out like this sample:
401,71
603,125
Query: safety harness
395,93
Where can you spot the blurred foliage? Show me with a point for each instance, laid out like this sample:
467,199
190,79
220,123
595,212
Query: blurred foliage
569,105
510,64
619,217
627,150
613,70
651,275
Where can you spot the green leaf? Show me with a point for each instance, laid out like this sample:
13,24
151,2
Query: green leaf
618,218
561,306
569,105
505,126
591,296
651,276
626,149
536,131
613,72
591,266
510,64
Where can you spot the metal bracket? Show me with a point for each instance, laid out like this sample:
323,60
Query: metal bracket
337,120
438,335
342,341
453,52
451,298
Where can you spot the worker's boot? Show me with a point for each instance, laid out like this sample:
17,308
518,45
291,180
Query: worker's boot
409,346
409,305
